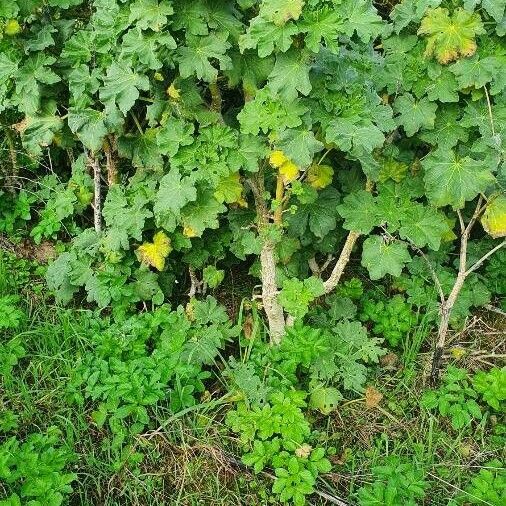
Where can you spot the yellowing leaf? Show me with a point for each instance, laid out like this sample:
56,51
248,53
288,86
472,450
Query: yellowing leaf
392,169
230,190
277,158
173,92
450,37
12,27
320,176
494,217
154,253
280,12
289,171
458,353
189,231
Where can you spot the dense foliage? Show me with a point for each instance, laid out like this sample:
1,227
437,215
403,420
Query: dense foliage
162,150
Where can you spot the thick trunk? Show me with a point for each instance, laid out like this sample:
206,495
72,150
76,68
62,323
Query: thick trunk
272,307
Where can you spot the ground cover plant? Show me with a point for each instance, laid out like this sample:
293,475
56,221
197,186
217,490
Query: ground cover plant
262,238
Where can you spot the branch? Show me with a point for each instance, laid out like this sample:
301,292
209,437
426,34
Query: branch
461,221
432,272
344,257
110,161
278,212
195,283
489,106
478,210
484,257
97,204
216,101
341,263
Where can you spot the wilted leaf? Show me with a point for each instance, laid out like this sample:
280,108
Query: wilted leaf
450,37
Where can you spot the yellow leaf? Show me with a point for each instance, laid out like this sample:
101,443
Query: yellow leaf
12,27
458,353
154,253
189,231
494,217
158,77
289,171
277,158
320,176
173,92
450,37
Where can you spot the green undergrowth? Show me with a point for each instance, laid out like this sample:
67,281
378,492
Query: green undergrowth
183,406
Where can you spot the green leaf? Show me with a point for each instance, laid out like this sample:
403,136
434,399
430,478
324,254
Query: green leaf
142,50
423,225
230,189
150,14
173,194
319,214
477,71
267,36
443,85
142,149
414,114
382,257
361,18
213,276
173,134
299,145
453,180
8,68
248,69
251,151
296,295
410,11
323,25
121,86
194,58
89,126
265,113
290,75
447,131
39,131
202,214
359,212
325,399
34,71
354,134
